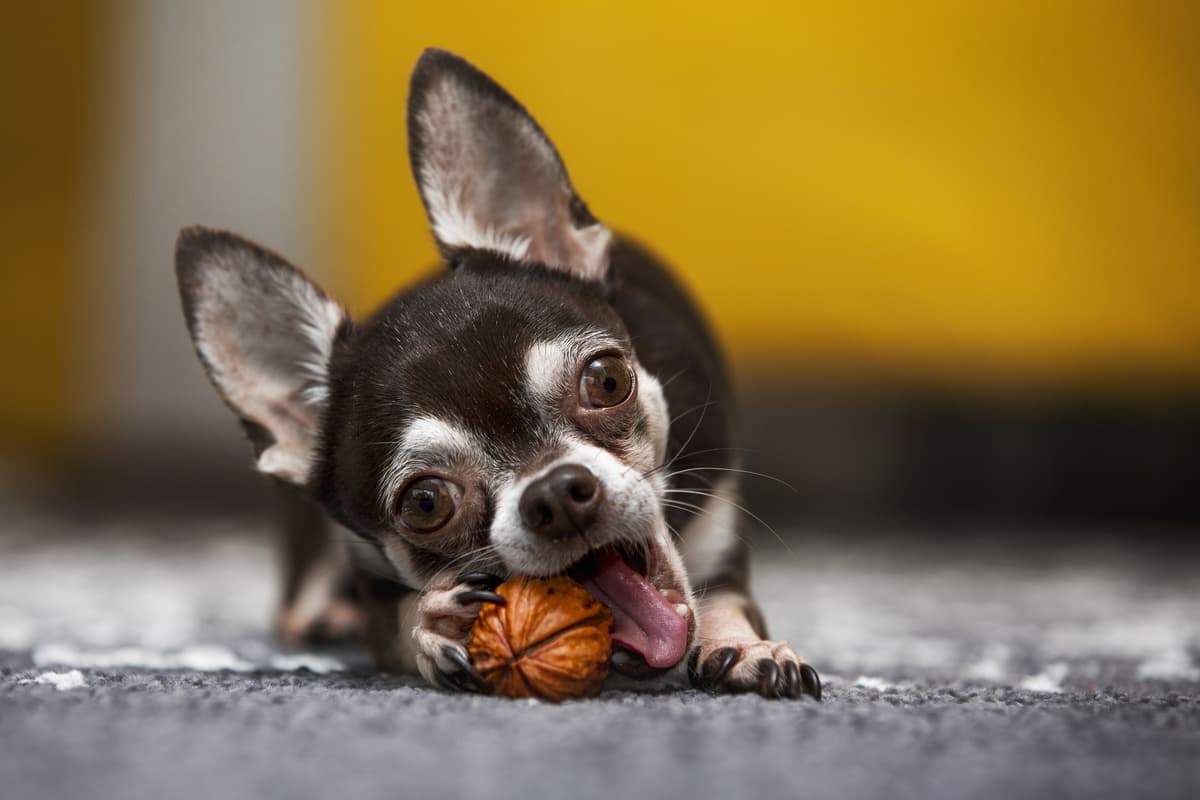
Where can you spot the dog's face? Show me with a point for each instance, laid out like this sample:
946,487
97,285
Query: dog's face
493,418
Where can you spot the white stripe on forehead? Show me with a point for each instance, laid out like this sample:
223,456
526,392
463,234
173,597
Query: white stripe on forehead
544,370
427,442
433,435
551,366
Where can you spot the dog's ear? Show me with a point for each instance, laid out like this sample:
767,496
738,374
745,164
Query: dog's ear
265,334
488,175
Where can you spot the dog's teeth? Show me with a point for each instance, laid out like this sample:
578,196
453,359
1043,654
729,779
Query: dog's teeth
664,592
682,609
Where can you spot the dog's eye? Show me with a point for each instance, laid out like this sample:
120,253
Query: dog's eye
606,382
426,505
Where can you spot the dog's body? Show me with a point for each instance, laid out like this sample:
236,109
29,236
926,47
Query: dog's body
553,403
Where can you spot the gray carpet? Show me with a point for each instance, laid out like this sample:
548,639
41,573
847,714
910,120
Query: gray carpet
134,663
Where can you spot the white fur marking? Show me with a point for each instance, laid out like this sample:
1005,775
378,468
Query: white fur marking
429,442
545,370
551,366
319,325
709,537
654,406
430,434
631,513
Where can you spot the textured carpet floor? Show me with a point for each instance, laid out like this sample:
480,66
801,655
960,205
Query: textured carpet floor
134,663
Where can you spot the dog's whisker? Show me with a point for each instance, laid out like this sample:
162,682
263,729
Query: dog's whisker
695,428
682,506
691,410
695,453
671,379
473,558
737,470
699,512
739,507
708,481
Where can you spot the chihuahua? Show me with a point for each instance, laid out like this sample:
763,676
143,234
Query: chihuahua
551,402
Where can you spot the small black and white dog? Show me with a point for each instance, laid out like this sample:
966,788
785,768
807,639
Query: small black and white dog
552,402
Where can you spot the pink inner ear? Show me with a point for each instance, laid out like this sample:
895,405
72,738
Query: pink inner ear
491,180
555,242
591,247
262,365
267,400
294,426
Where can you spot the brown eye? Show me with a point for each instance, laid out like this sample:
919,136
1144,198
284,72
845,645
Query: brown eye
427,504
606,382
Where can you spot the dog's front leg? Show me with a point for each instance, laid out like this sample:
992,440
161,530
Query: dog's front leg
427,631
735,655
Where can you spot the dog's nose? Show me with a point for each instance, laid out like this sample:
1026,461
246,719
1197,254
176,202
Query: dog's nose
563,502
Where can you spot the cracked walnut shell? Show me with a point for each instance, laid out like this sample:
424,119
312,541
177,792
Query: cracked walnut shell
550,640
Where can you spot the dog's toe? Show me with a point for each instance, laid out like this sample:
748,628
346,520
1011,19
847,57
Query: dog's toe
444,628
709,672
462,677
811,681
770,669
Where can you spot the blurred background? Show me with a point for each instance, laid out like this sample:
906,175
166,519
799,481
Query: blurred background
953,249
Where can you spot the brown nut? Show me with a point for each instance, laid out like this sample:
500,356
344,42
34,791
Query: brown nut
550,640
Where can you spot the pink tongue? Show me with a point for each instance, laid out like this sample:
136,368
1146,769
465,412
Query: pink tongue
643,620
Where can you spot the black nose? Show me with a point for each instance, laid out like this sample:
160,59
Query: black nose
563,502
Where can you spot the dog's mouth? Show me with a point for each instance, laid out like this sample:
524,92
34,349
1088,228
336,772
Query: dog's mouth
652,622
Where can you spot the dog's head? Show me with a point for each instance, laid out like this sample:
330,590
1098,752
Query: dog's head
495,417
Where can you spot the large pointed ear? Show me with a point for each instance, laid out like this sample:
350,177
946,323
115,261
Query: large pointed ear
488,175
265,334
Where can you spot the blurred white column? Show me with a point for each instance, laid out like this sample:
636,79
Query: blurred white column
205,125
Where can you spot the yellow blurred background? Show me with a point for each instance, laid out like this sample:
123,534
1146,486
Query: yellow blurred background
945,192
903,184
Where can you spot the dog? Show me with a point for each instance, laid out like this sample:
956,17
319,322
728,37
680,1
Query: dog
550,402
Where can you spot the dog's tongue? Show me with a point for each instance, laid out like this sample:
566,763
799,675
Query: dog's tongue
643,620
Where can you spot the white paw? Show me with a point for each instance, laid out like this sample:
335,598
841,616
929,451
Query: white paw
445,614
338,621
771,669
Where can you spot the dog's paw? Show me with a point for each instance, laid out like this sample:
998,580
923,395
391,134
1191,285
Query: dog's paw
336,622
445,614
771,669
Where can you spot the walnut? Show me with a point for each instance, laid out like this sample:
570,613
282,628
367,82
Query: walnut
551,640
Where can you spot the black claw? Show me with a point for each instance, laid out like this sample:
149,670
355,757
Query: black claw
484,579
693,666
469,682
465,678
792,685
443,682
718,664
812,681
768,677
478,684
457,657
479,596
